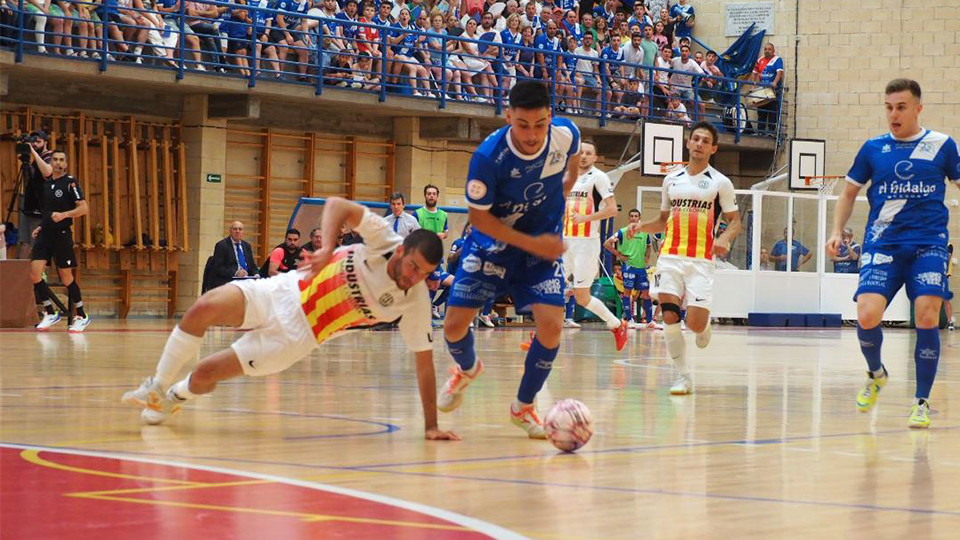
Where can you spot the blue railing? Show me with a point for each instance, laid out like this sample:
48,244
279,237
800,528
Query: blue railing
324,52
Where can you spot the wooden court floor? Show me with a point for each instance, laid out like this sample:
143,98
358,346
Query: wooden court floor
769,446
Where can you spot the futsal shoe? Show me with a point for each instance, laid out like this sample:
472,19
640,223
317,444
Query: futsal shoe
620,335
451,395
867,397
147,395
158,412
570,323
526,418
682,386
920,414
486,321
525,346
703,338
49,319
79,324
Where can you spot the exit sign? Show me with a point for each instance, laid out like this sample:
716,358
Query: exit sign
214,178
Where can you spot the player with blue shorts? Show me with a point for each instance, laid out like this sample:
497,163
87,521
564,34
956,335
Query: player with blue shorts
905,243
516,190
634,256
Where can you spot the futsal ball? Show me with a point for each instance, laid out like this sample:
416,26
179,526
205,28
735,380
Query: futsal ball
569,425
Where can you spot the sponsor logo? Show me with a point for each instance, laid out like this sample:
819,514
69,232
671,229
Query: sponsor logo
902,169
386,299
907,188
886,149
491,269
692,204
250,362
476,189
934,279
929,354
544,364
867,344
349,271
503,153
470,264
467,285
515,173
881,258
551,286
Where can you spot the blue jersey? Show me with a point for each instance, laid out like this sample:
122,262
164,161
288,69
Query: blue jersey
291,11
508,39
525,192
549,48
615,56
682,30
407,45
350,31
907,190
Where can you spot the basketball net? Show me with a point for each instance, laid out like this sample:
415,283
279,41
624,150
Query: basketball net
824,184
668,167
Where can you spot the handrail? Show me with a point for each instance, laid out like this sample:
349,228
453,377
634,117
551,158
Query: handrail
310,32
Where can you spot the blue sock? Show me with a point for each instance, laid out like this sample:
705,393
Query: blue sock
927,355
683,315
627,307
648,309
462,352
571,304
487,308
536,369
442,297
870,342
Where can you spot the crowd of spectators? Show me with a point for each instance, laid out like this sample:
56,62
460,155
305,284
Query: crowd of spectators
614,57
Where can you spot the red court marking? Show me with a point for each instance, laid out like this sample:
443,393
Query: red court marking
39,501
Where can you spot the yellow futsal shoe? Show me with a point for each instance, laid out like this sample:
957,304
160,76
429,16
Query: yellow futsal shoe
867,397
920,414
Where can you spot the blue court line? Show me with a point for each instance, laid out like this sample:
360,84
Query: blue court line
615,489
388,427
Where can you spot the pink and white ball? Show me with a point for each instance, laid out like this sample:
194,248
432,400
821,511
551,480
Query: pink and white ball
569,425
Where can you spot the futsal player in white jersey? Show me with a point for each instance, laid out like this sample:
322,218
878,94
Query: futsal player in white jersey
589,203
289,315
691,203
905,243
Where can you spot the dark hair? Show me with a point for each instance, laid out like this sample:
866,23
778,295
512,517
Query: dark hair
632,210
397,195
59,151
590,142
682,47
428,186
899,85
529,95
703,124
42,134
292,231
427,243
313,230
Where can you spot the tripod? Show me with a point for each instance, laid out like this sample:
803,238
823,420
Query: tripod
17,187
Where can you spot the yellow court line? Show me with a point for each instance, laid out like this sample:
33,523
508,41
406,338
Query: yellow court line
33,456
280,513
174,488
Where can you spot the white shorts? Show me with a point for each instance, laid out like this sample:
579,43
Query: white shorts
689,279
582,260
279,334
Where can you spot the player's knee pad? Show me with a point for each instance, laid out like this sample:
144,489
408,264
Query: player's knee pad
670,307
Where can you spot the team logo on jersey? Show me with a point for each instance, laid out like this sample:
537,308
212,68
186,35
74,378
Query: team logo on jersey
470,264
386,299
704,184
886,149
58,193
476,189
515,173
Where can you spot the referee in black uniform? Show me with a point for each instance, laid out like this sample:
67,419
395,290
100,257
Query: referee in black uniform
62,201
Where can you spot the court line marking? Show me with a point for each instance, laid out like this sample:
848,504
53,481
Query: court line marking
474,524
33,456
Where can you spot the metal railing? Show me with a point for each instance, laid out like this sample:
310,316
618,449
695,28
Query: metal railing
325,51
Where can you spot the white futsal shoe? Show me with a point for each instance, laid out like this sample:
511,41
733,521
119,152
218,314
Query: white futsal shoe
526,418
79,324
149,392
157,413
49,319
451,395
570,323
682,386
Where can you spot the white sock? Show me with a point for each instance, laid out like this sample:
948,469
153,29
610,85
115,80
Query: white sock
181,347
39,24
600,310
676,346
181,390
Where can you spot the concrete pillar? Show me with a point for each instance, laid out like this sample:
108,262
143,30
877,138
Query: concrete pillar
206,149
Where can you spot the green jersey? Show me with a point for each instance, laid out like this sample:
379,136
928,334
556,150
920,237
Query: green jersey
432,221
634,249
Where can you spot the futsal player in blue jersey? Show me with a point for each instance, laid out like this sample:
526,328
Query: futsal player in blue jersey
516,190
905,243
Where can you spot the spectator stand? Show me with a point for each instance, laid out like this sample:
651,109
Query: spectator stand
231,41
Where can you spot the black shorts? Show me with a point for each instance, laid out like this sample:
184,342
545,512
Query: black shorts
236,45
56,244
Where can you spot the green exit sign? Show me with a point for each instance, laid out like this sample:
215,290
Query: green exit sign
214,178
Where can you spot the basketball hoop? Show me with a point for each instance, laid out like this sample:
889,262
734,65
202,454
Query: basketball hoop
667,167
824,184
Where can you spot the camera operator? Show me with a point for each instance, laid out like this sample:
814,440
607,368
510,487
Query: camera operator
31,206
62,201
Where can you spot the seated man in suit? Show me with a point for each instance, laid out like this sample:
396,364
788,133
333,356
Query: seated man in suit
233,257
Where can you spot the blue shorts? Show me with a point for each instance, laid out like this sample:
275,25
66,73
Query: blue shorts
635,279
921,269
486,273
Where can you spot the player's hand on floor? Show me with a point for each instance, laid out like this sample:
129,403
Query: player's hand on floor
436,434
547,246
